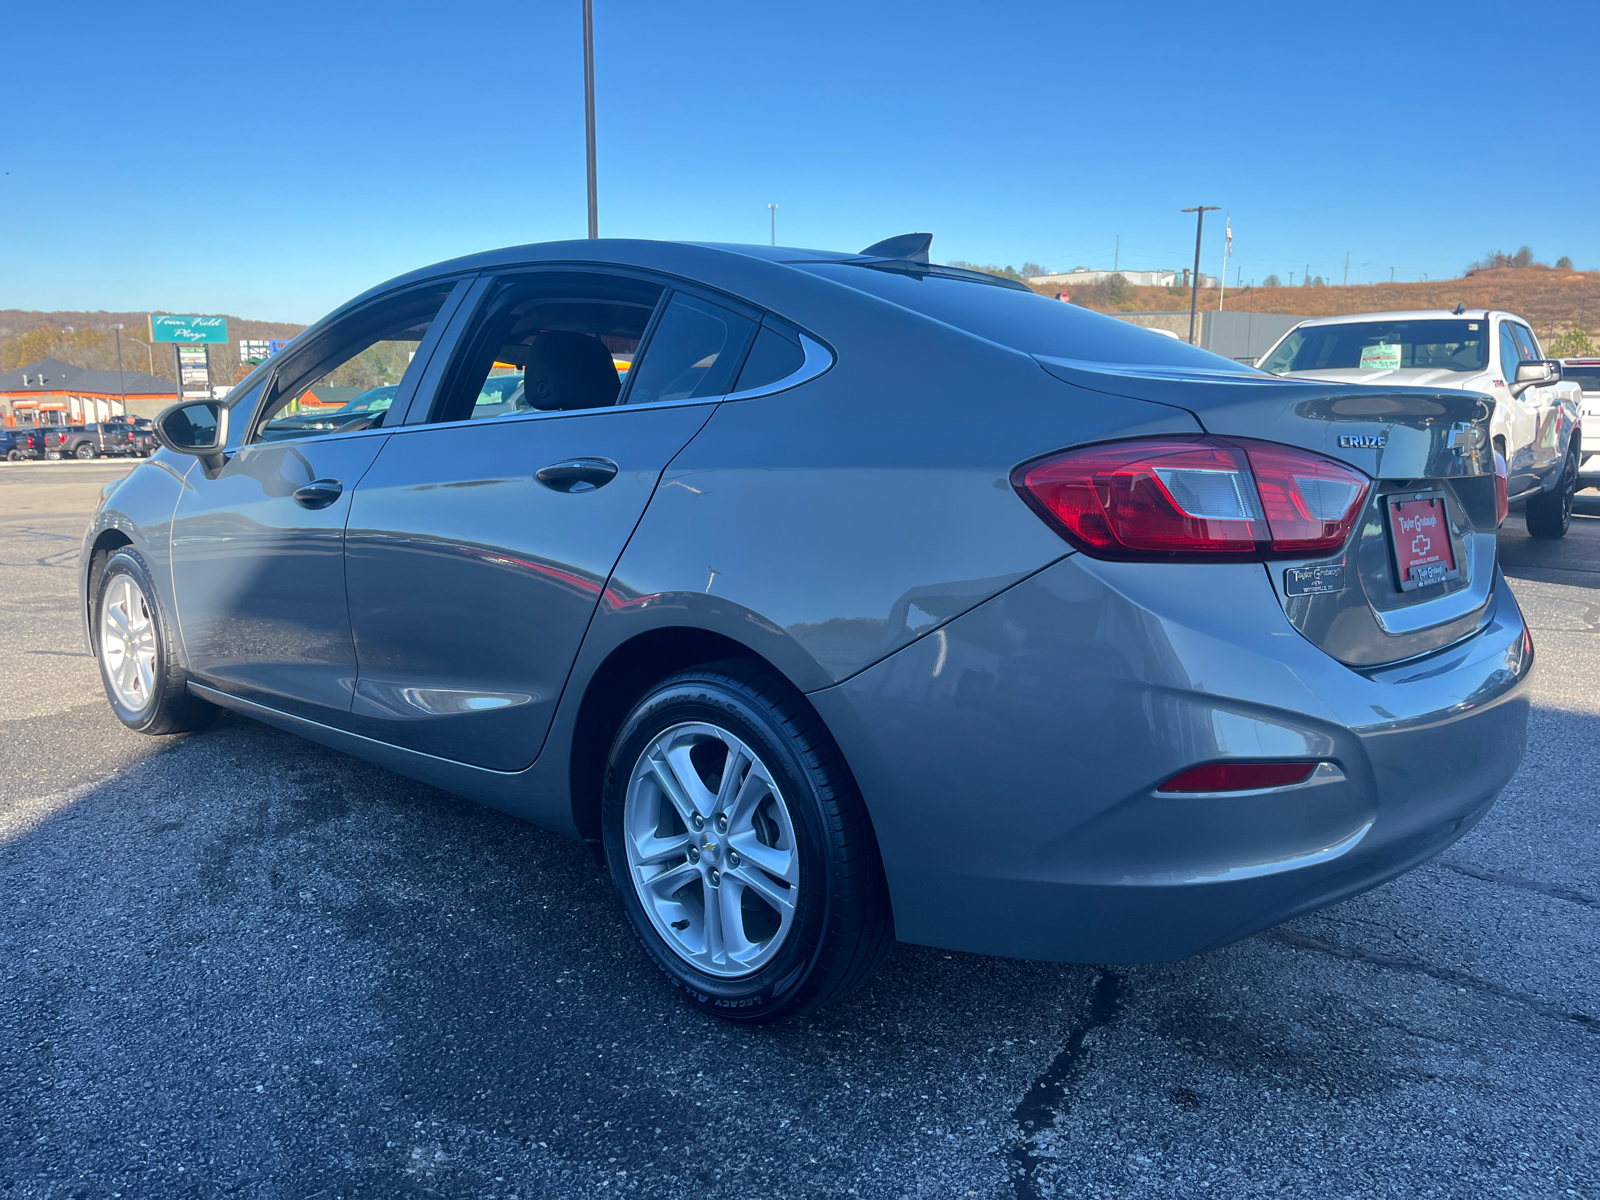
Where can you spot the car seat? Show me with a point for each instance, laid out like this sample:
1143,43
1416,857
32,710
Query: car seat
569,371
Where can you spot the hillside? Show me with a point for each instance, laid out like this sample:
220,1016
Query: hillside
85,340
1553,301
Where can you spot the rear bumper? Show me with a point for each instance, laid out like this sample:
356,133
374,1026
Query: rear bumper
1010,760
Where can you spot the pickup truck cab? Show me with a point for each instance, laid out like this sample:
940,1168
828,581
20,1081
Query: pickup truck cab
1585,372
1538,417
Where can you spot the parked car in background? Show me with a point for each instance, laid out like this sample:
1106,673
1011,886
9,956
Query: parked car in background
363,412
28,441
8,445
1585,372
1537,417
106,438
881,599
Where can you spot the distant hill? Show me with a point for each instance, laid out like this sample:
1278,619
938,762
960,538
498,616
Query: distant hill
85,339
1552,300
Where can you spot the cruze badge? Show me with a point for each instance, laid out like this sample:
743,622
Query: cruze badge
1363,441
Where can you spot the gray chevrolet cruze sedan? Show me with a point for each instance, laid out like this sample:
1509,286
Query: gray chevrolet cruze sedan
834,598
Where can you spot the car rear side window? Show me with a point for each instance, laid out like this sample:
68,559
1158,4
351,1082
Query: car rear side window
693,352
776,354
1022,319
1427,344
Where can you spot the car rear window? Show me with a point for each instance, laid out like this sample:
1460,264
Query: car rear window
1426,344
1585,375
1023,320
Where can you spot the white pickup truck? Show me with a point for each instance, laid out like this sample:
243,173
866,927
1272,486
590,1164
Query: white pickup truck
1537,416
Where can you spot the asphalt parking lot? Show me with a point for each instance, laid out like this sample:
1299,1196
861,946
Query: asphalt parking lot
238,963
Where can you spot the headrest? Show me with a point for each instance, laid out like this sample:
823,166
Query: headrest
569,370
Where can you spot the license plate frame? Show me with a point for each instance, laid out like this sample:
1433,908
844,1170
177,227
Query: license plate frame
1411,574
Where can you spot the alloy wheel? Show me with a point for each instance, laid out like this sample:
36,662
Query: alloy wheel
711,849
128,643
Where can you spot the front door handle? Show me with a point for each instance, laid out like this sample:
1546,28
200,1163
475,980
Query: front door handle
578,474
319,493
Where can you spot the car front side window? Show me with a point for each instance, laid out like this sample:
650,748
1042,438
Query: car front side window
348,380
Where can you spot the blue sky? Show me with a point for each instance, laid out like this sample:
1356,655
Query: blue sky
273,161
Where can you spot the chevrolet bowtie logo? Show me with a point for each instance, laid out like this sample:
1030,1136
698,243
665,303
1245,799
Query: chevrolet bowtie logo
1363,441
1464,439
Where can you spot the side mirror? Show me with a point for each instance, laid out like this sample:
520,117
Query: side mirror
199,427
1535,374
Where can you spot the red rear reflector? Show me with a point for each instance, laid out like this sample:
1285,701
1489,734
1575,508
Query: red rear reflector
1196,497
1502,500
1239,776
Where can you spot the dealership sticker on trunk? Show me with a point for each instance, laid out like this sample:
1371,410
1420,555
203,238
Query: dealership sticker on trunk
1313,581
1385,356
1420,530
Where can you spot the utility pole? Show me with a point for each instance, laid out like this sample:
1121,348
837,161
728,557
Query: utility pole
774,210
588,115
1291,278
1116,255
122,385
1199,211
1391,274
1346,268
1306,278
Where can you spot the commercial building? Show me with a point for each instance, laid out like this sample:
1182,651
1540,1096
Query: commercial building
1082,277
51,392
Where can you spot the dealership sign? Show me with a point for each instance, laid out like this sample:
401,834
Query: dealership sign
187,330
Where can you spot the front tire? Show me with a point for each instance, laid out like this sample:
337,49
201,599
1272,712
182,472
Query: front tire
1549,514
148,691
740,847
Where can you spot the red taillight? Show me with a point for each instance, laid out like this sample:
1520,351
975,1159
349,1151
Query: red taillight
1239,776
1502,497
1198,497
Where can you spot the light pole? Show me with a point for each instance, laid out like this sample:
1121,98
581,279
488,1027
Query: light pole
588,114
1199,212
149,352
774,209
122,385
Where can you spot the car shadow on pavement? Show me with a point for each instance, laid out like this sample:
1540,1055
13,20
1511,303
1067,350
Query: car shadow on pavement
253,964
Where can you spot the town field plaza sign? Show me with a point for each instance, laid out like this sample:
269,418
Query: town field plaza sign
188,330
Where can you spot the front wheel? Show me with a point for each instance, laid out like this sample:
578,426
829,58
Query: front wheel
740,847
1549,514
148,691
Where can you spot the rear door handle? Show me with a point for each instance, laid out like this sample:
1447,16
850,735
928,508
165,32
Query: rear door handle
578,474
319,493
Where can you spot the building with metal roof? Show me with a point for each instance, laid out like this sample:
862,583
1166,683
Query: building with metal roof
52,392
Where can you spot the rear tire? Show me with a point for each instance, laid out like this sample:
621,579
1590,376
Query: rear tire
133,642
15,455
1549,514
85,451
801,917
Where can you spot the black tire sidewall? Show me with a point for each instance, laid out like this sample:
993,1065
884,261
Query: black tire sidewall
774,989
1550,515
127,561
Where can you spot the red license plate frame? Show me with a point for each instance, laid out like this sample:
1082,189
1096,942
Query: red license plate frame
1421,545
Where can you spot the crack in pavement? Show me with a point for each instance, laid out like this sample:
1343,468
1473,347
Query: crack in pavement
1395,962
1489,875
1046,1098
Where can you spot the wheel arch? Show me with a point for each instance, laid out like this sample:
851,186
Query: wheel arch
626,673
106,543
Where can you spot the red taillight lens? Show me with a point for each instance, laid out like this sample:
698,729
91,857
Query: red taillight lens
1502,497
1199,497
1239,776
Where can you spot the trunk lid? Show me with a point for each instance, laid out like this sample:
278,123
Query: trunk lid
1428,450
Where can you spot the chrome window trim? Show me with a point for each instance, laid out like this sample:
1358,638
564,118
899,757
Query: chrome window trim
534,414
818,359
